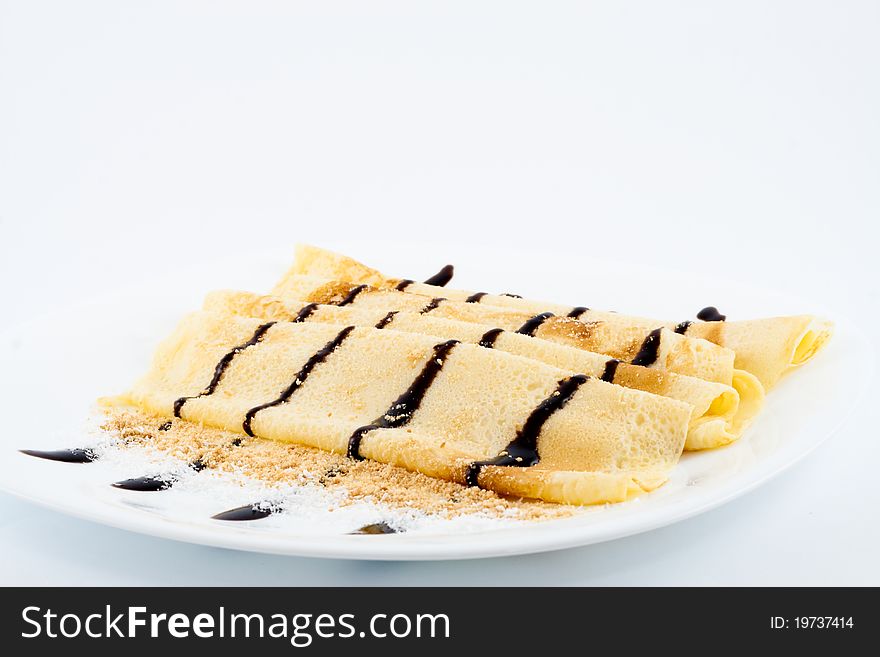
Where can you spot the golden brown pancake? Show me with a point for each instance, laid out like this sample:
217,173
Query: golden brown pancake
717,418
767,348
450,410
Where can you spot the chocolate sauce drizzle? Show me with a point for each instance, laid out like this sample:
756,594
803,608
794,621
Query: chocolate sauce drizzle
385,321
649,350
317,358
165,426
401,411
221,367
150,483
610,370
475,298
512,296
146,484
352,294
533,324
442,277
489,337
75,455
432,305
711,314
403,284
577,311
243,513
305,312
682,328
375,528
522,452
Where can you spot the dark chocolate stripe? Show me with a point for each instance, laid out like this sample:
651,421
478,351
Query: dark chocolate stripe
610,370
375,529
385,321
522,452
403,408
305,312
352,293
146,484
317,358
649,350
75,455
153,483
489,337
512,296
442,277
533,324
222,366
246,512
475,298
403,284
432,305
711,314
577,311
682,328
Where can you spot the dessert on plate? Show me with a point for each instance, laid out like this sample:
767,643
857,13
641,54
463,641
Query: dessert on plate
518,398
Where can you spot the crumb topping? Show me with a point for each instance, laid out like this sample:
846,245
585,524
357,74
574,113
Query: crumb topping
287,463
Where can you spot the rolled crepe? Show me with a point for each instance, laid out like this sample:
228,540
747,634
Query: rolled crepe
449,410
660,349
717,417
767,348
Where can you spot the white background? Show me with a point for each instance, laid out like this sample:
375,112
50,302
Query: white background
739,139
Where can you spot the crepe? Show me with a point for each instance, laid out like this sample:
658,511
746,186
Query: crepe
659,349
717,415
767,348
446,409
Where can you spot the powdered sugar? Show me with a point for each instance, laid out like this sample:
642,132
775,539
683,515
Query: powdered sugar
310,500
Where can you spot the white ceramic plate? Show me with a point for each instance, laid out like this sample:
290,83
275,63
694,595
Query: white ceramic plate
52,368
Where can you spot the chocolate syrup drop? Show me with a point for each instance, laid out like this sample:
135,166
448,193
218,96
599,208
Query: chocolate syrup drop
146,484
402,409
512,296
610,370
75,455
533,324
432,305
385,321
649,350
244,513
305,312
403,284
150,483
475,298
352,295
522,452
711,314
489,337
442,277
577,311
375,528
682,328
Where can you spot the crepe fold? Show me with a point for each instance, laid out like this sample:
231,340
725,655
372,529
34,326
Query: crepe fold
675,353
767,348
666,350
470,419
717,418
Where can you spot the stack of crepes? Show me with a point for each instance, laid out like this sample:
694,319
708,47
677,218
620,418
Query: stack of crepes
526,398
